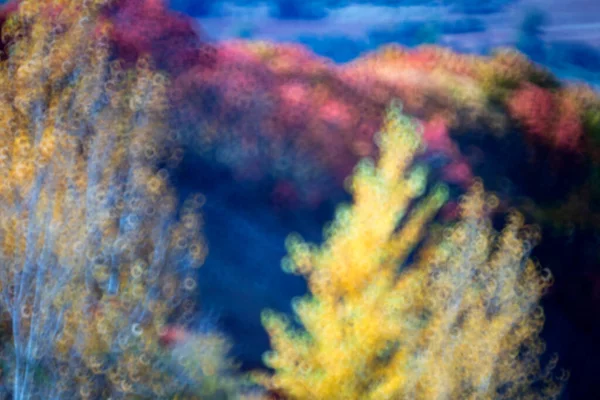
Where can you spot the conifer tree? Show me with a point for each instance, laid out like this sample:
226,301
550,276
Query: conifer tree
461,320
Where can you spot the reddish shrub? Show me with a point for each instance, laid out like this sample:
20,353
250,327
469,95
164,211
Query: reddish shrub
534,107
147,27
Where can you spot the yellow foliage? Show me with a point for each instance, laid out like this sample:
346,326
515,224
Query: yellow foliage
93,261
461,323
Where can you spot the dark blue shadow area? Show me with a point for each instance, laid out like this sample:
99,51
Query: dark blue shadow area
242,275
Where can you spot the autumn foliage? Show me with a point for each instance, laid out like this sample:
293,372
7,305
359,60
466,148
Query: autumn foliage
460,322
98,254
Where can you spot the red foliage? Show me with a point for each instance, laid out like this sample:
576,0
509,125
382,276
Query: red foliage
534,107
568,132
550,118
435,134
147,27
319,116
277,101
459,172
268,105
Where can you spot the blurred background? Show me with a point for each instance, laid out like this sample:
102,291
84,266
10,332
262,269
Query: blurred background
275,102
564,35
248,217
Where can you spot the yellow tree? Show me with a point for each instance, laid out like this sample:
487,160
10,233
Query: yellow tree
461,321
96,255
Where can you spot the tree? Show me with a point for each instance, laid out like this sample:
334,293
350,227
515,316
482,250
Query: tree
461,321
96,255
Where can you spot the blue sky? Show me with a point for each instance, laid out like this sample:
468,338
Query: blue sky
355,27
568,20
